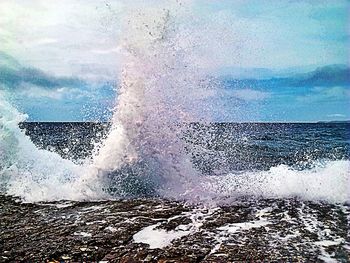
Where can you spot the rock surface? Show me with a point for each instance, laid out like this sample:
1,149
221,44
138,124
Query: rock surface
153,230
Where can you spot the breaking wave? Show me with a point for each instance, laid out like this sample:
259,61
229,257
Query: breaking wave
327,181
160,88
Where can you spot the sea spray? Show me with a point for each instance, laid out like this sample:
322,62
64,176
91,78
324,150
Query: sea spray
159,81
161,85
143,154
39,175
326,181
31,173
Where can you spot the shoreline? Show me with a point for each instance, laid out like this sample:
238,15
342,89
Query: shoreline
156,230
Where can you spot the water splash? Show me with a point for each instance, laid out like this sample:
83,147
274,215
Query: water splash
159,80
327,181
143,154
31,173
160,84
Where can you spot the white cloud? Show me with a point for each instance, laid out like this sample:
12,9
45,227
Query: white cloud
60,36
35,92
105,51
43,41
336,115
325,93
250,94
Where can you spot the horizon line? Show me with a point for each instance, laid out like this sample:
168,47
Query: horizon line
238,122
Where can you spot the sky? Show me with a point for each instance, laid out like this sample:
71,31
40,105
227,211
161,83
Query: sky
60,60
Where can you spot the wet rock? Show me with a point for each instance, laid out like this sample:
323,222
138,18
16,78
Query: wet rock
244,230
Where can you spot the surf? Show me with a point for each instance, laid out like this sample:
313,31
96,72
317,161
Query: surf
144,155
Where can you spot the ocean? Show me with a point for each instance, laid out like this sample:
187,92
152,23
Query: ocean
223,147
307,156
274,192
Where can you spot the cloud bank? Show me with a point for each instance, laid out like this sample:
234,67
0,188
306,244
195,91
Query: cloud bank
47,97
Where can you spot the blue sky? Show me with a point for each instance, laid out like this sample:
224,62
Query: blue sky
70,48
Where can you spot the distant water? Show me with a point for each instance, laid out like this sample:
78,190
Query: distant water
217,147
307,160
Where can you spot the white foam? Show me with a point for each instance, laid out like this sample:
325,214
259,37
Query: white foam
111,229
158,238
236,227
325,256
98,222
327,243
83,234
328,181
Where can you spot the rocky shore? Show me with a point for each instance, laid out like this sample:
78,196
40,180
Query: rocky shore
154,230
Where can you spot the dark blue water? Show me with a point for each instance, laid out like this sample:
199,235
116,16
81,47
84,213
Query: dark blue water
217,148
